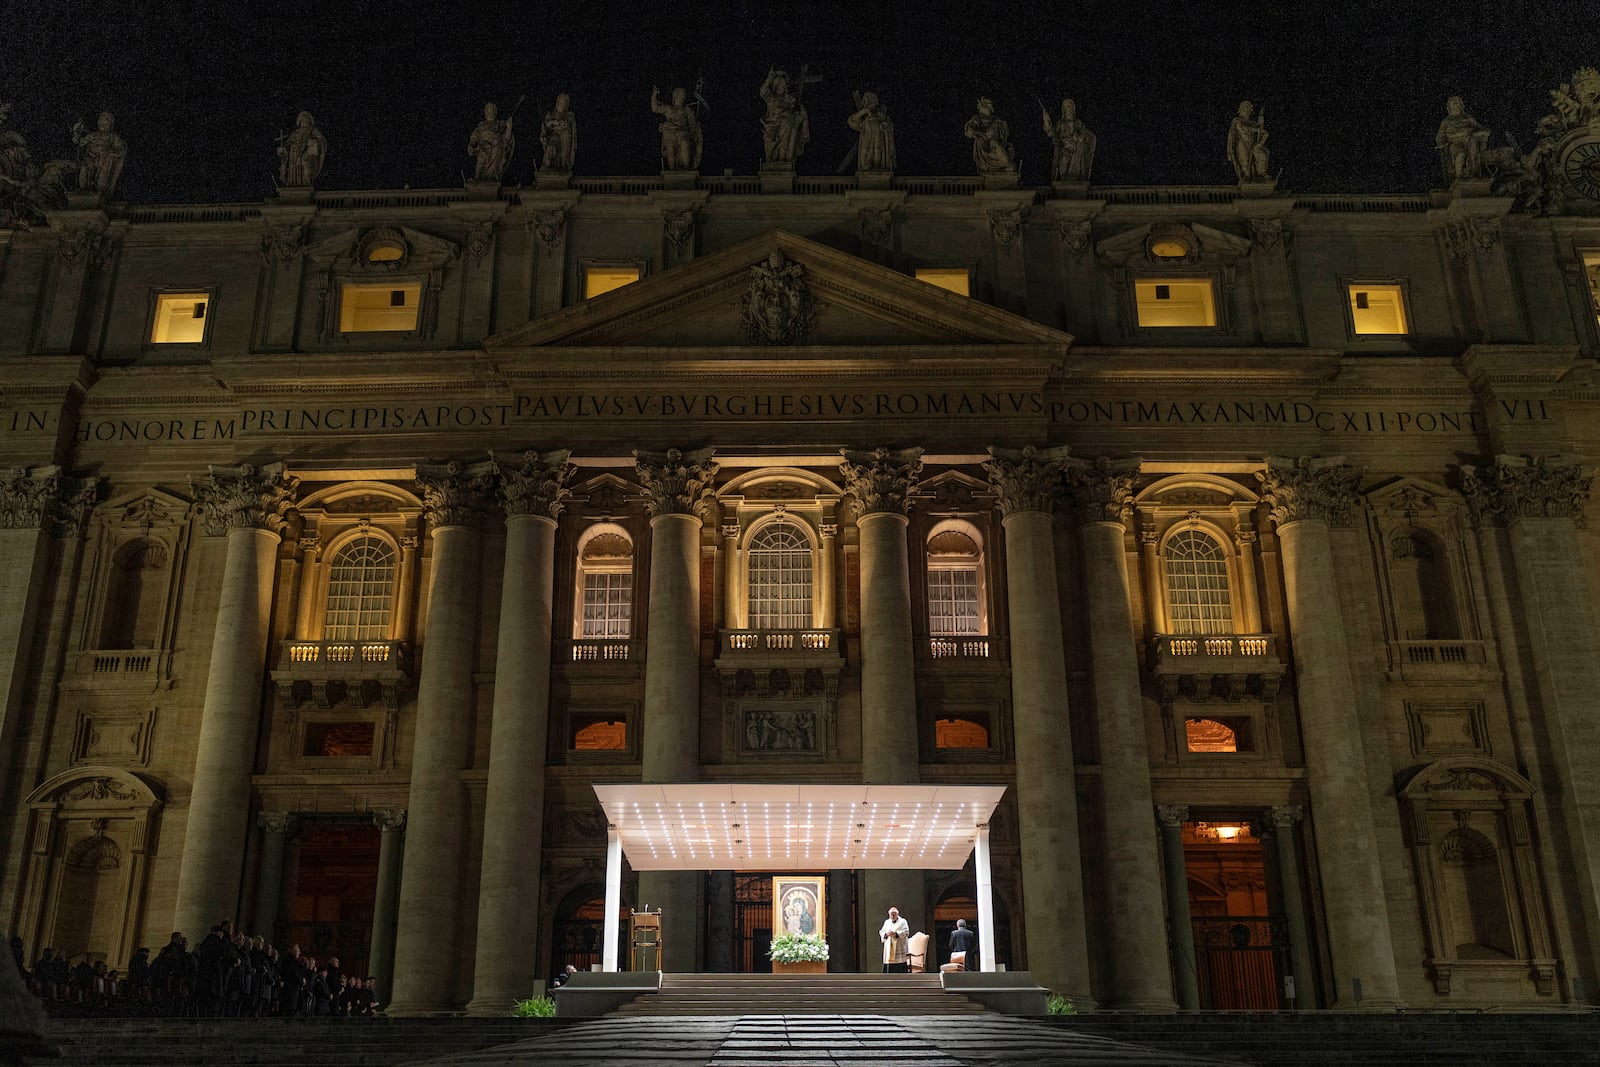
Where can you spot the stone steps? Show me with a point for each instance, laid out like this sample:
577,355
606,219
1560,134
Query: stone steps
260,1042
1336,1039
794,994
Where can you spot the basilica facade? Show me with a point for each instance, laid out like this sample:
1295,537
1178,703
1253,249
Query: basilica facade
349,538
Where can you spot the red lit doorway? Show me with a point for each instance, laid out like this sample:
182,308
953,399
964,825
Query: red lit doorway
1241,942
335,887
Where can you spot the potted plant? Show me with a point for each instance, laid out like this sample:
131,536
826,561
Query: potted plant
799,954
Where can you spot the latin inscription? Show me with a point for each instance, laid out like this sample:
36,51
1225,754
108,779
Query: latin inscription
531,409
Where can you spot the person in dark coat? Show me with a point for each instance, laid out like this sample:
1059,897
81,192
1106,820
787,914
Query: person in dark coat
292,973
964,940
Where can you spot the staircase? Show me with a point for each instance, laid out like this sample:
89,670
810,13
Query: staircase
1325,1039
800,994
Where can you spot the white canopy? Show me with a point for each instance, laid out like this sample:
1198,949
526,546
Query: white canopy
707,826
775,826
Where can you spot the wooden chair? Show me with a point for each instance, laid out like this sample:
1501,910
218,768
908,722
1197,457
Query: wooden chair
917,952
958,962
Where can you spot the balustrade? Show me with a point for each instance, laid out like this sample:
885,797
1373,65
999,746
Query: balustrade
1197,663
736,642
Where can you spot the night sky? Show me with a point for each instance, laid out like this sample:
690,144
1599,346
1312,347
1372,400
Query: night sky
1353,91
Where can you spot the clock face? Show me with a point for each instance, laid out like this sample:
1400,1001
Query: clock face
1580,164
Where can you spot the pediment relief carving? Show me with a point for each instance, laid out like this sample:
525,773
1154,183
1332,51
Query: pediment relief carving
144,511
779,290
1137,248
349,250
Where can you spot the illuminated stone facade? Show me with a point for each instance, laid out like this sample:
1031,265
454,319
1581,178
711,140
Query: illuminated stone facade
394,534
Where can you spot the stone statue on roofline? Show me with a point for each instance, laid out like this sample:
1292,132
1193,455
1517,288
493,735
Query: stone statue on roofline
681,139
27,190
785,128
491,145
1247,144
1462,142
874,134
558,136
991,140
301,153
101,153
1074,144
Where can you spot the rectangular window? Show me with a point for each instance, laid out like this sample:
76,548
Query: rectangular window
956,279
953,602
1175,302
372,307
597,280
607,604
180,318
1377,309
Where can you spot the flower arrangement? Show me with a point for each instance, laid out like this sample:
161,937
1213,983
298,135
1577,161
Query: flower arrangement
798,948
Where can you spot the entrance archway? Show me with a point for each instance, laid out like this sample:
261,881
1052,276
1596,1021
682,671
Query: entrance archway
960,902
578,932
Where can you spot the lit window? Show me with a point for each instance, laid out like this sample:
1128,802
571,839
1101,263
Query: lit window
596,733
1591,271
385,252
605,578
1175,301
960,733
1197,585
780,578
955,600
340,739
380,306
360,591
956,279
1377,309
180,318
597,280
1218,735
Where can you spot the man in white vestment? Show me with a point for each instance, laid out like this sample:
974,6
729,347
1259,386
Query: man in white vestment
894,934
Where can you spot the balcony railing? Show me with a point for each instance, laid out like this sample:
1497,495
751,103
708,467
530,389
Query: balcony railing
962,647
1440,652
751,642
601,649
333,672
1197,663
131,662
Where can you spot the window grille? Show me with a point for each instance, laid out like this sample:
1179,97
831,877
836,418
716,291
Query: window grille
780,579
607,603
1198,601
953,601
360,591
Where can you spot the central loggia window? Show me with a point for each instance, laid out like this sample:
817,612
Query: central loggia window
360,591
780,578
1198,600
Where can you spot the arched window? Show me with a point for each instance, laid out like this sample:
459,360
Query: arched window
134,601
955,583
1197,584
605,584
360,591
1424,594
780,578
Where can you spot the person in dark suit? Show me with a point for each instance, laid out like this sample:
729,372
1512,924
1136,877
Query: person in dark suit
964,940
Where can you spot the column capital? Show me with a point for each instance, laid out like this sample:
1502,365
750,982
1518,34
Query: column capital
1100,490
1027,479
389,819
1284,816
730,530
245,497
1323,488
829,529
674,480
46,498
534,483
453,494
1172,816
1526,487
882,479
277,822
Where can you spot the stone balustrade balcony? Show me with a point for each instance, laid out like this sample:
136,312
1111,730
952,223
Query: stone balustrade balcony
741,645
785,664
603,650
1203,666
124,664
327,673
981,647
1425,660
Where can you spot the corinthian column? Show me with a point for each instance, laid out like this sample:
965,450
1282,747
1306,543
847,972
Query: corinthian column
247,504
674,482
1534,505
1101,494
1028,483
1305,497
880,481
533,492
427,925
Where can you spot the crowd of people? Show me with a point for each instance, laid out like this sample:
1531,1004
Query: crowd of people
228,974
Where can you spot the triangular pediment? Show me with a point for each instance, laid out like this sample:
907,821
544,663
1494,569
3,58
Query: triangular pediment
856,303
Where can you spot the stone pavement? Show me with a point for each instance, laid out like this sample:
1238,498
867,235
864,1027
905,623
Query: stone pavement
821,1041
